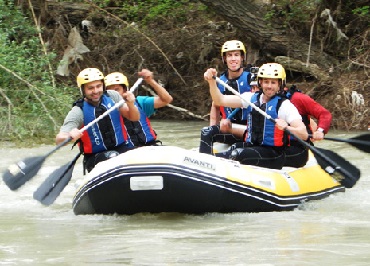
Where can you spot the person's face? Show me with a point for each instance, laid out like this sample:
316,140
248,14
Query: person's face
269,86
233,60
94,90
255,88
118,88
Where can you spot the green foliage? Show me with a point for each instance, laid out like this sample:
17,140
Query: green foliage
30,107
288,13
147,11
363,11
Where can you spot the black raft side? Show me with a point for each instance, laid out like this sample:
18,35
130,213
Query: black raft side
184,190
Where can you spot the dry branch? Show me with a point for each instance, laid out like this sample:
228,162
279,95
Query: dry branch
33,88
180,109
145,36
42,42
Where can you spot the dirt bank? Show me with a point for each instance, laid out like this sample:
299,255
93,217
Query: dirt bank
178,52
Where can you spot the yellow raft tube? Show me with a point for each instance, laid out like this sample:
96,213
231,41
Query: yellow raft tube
171,179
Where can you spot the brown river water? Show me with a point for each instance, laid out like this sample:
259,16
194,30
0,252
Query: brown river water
332,231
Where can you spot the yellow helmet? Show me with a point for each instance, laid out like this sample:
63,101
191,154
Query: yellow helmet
115,78
233,45
272,71
88,75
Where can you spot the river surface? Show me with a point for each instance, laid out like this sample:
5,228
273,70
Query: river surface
332,231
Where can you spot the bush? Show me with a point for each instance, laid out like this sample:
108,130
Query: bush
28,104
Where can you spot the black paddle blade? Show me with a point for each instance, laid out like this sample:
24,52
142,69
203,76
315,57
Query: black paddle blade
51,188
18,174
363,137
343,171
361,142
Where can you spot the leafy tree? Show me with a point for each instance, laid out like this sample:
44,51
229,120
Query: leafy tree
28,105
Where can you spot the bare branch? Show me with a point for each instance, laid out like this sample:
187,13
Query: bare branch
42,42
180,109
33,88
145,36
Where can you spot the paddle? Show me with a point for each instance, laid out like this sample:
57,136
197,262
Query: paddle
361,142
19,173
328,160
55,183
59,179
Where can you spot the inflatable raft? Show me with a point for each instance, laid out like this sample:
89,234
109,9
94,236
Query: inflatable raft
158,179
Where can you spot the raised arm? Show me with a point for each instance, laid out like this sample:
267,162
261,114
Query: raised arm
129,109
218,98
163,97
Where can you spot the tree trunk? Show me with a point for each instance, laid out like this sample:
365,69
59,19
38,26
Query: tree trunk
271,38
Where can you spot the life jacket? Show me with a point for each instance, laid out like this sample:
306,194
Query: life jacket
141,132
263,131
107,133
241,85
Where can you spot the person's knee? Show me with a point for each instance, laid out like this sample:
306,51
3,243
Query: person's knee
102,156
235,153
206,131
232,147
110,154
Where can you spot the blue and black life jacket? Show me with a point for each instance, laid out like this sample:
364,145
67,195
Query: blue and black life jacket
241,85
141,132
263,131
107,133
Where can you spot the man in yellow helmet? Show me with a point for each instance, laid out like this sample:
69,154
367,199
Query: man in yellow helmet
141,132
225,121
108,137
265,140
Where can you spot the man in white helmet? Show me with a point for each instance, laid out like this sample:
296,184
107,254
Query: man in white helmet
108,137
225,121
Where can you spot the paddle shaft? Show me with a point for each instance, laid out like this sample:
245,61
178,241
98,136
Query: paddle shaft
350,141
18,174
233,113
52,186
50,189
133,88
258,109
333,166
361,142
137,83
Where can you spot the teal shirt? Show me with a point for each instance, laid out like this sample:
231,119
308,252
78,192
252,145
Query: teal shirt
147,104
